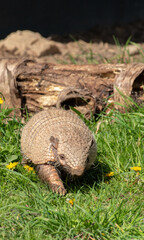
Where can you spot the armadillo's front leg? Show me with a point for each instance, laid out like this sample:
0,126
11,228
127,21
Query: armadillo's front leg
48,173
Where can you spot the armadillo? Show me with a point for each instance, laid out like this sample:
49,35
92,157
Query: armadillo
57,139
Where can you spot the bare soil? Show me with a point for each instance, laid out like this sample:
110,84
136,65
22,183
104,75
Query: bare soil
117,44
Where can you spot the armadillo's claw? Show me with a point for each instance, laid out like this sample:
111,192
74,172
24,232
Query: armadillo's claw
58,189
24,161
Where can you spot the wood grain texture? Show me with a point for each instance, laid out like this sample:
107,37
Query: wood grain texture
35,85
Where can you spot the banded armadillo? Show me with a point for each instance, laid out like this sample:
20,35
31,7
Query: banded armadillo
54,139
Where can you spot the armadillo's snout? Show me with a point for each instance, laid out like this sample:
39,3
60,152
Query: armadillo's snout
78,171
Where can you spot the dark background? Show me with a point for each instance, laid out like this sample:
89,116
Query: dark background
63,16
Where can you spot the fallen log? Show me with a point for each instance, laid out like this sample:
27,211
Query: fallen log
28,84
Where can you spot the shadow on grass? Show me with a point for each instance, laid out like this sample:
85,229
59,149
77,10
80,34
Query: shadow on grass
90,179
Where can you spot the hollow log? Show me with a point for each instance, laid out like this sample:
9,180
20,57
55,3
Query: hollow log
28,84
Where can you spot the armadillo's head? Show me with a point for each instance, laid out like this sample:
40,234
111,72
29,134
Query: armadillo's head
77,152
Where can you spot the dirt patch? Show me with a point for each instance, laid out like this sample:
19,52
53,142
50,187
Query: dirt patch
119,44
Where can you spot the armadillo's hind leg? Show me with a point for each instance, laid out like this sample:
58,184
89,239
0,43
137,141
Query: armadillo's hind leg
49,174
24,161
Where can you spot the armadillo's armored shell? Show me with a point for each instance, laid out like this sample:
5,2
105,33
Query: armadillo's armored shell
66,126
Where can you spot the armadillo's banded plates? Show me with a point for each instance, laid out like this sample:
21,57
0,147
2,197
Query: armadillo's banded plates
61,124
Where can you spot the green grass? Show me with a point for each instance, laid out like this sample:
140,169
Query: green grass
104,207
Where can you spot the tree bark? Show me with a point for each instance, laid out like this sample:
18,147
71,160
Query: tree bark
31,85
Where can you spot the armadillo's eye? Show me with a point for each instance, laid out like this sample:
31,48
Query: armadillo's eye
92,142
62,156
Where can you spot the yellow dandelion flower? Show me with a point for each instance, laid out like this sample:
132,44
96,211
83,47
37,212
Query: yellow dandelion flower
110,174
71,201
136,168
1,101
12,165
29,169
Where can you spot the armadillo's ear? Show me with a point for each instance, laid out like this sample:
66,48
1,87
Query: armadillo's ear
54,146
54,142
